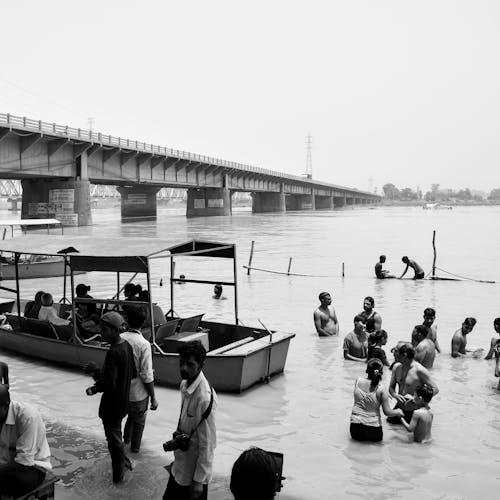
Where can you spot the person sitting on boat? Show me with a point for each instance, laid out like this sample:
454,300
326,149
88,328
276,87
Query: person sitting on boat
32,307
4,374
158,315
253,476
325,317
355,342
369,312
459,339
430,323
87,311
495,339
419,272
379,271
369,396
48,311
24,451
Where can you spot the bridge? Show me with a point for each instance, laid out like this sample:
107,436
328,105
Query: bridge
57,164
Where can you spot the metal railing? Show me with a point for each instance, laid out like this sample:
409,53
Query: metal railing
106,140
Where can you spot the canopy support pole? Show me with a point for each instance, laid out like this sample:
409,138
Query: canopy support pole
73,309
18,296
151,313
171,311
235,279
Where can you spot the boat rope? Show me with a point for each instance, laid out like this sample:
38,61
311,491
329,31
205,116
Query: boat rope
464,277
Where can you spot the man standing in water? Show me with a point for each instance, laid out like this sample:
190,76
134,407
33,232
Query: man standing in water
430,325
407,375
325,318
369,313
494,340
356,342
419,272
425,350
379,271
459,339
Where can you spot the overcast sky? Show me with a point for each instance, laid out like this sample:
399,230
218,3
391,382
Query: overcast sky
392,91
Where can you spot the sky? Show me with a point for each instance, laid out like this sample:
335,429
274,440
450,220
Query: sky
390,91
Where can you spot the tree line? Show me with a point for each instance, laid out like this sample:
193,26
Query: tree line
391,192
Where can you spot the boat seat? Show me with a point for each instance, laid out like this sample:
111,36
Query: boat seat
262,343
44,491
64,332
64,309
190,324
166,330
41,328
14,321
227,347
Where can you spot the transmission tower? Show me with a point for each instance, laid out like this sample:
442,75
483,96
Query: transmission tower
309,163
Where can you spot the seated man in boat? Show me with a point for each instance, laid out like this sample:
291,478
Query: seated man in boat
325,318
48,311
379,271
419,272
158,315
24,451
254,476
87,311
459,339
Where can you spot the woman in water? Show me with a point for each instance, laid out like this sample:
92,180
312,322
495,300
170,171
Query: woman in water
375,342
369,396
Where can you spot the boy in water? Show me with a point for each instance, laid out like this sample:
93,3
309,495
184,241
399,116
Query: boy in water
421,420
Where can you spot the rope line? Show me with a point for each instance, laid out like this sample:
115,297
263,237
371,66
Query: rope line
464,277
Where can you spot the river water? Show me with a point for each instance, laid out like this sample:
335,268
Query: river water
305,412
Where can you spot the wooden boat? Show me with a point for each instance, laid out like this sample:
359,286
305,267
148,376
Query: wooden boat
31,266
238,356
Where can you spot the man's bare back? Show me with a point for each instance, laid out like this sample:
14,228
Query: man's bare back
421,425
425,352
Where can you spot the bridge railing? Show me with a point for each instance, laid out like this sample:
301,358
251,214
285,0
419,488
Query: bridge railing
39,126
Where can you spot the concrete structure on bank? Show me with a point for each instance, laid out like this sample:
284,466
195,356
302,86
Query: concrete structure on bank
57,164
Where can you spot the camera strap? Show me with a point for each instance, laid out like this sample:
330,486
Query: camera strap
205,415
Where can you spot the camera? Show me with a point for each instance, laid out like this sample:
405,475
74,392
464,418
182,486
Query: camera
91,390
179,441
277,459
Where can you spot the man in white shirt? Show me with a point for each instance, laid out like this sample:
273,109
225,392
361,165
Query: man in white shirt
192,469
24,451
141,387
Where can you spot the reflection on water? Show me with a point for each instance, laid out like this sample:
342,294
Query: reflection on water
305,413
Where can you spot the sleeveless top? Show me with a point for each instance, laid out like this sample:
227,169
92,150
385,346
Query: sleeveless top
366,409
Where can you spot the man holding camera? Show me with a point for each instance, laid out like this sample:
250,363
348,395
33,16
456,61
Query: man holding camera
113,380
194,441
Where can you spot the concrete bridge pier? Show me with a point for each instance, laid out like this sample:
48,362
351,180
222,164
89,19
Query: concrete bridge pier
323,202
300,202
65,199
268,202
138,202
338,201
203,202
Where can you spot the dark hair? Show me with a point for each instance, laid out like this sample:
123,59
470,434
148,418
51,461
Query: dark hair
135,316
404,258
382,257
376,337
322,295
429,311
128,288
470,322
406,350
425,391
38,296
253,476
496,322
375,369
370,325
47,299
143,295
371,300
194,348
359,317
421,330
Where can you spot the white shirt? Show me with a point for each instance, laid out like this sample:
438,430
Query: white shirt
195,464
48,313
23,439
143,360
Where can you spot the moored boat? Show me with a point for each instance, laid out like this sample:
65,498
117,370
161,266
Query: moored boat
238,356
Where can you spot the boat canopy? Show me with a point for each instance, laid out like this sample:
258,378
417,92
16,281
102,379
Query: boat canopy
112,254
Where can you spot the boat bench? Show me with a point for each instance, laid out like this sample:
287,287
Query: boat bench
257,344
43,492
233,345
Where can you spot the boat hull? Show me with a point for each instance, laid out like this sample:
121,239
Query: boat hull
31,270
226,372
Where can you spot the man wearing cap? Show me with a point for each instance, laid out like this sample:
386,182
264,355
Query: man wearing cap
86,311
24,451
113,380
142,387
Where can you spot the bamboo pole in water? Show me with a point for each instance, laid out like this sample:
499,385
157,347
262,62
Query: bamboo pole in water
250,258
289,265
434,248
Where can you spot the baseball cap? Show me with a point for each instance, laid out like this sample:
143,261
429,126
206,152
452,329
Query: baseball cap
113,318
82,288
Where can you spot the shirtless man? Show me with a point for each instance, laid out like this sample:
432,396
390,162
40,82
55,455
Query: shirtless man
459,339
421,421
429,323
494,339
325,318
419,272
425,349
369,313
408,374
379,271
